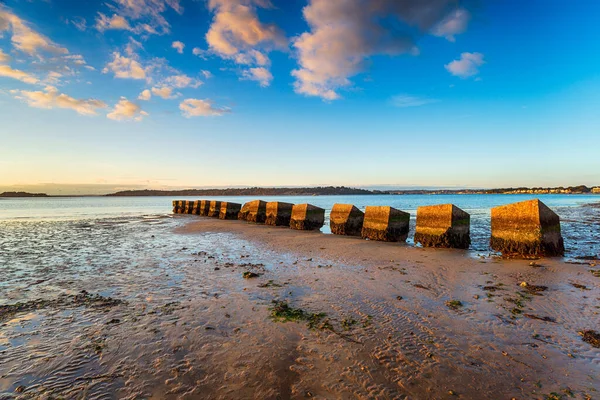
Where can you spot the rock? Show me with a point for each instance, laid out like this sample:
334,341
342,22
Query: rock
229,210
278,213
385,224
346,219
254,211
443,225
306,217
204,207
214,209
528,228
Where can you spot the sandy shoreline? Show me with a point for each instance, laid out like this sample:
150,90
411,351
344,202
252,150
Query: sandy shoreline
496,345
386,320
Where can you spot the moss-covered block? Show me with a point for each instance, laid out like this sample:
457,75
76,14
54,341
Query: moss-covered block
229,210
527,228
278,213
443,225
385,224
204,207
306,217
346,219
214,209
254,211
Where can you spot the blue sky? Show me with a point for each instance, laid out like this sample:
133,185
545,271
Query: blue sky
98,95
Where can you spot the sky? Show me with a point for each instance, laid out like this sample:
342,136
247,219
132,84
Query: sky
98,96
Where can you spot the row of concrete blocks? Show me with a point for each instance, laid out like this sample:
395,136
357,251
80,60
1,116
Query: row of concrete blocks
526,228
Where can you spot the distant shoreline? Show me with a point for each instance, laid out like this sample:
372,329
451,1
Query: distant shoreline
316,191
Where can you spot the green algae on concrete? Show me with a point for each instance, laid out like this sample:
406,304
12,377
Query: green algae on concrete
443,225
346,219
229,210
254,211
385,224
214,209
527,229
306,217
278,213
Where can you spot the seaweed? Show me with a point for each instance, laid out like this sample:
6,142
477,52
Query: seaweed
282,312
591,337
454,304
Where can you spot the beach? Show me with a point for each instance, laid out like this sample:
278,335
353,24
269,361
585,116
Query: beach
191,307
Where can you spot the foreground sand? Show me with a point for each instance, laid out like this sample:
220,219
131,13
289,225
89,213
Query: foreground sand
389,331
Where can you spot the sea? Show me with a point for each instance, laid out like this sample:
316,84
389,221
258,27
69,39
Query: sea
26,220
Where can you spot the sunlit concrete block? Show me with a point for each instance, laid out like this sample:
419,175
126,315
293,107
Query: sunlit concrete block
278,213
196,207
254,211
175,206
443,225
214,209
306,217
204,207
527,228
229,210
385,224
346,219
189,207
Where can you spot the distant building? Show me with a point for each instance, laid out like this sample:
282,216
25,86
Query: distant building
596,190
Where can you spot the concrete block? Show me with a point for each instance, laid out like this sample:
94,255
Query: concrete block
278,213
204,208
306,217
443,225
254,211
385,224
229,210
527,228
214,209
346,219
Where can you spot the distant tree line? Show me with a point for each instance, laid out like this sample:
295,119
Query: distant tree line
22,194
253,191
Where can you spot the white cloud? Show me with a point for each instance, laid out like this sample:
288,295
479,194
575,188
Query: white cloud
404,100
345,34
115,22
454,24
147,13
197,51
26,39
467,66
78,22
125,110
207,74
4,58
145,95
124,67
259,74
236,33
164,92
7,72
179,46
182,81
53,78
201,108
51,98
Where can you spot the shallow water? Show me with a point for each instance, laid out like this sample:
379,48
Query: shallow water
192,327
580,222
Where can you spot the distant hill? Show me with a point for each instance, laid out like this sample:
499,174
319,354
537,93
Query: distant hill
22,194
254,191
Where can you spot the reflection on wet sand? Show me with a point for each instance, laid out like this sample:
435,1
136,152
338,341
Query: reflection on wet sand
361,319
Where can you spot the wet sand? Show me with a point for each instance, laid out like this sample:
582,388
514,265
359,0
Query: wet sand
399,322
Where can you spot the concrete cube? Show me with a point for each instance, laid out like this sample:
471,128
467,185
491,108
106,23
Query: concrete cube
306,217
346,219
175,206
278,213
443,225
229,210
385,224
254,211
214,209
204,207
189,207
527,228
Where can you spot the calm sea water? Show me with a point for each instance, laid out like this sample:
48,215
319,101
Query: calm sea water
580,220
